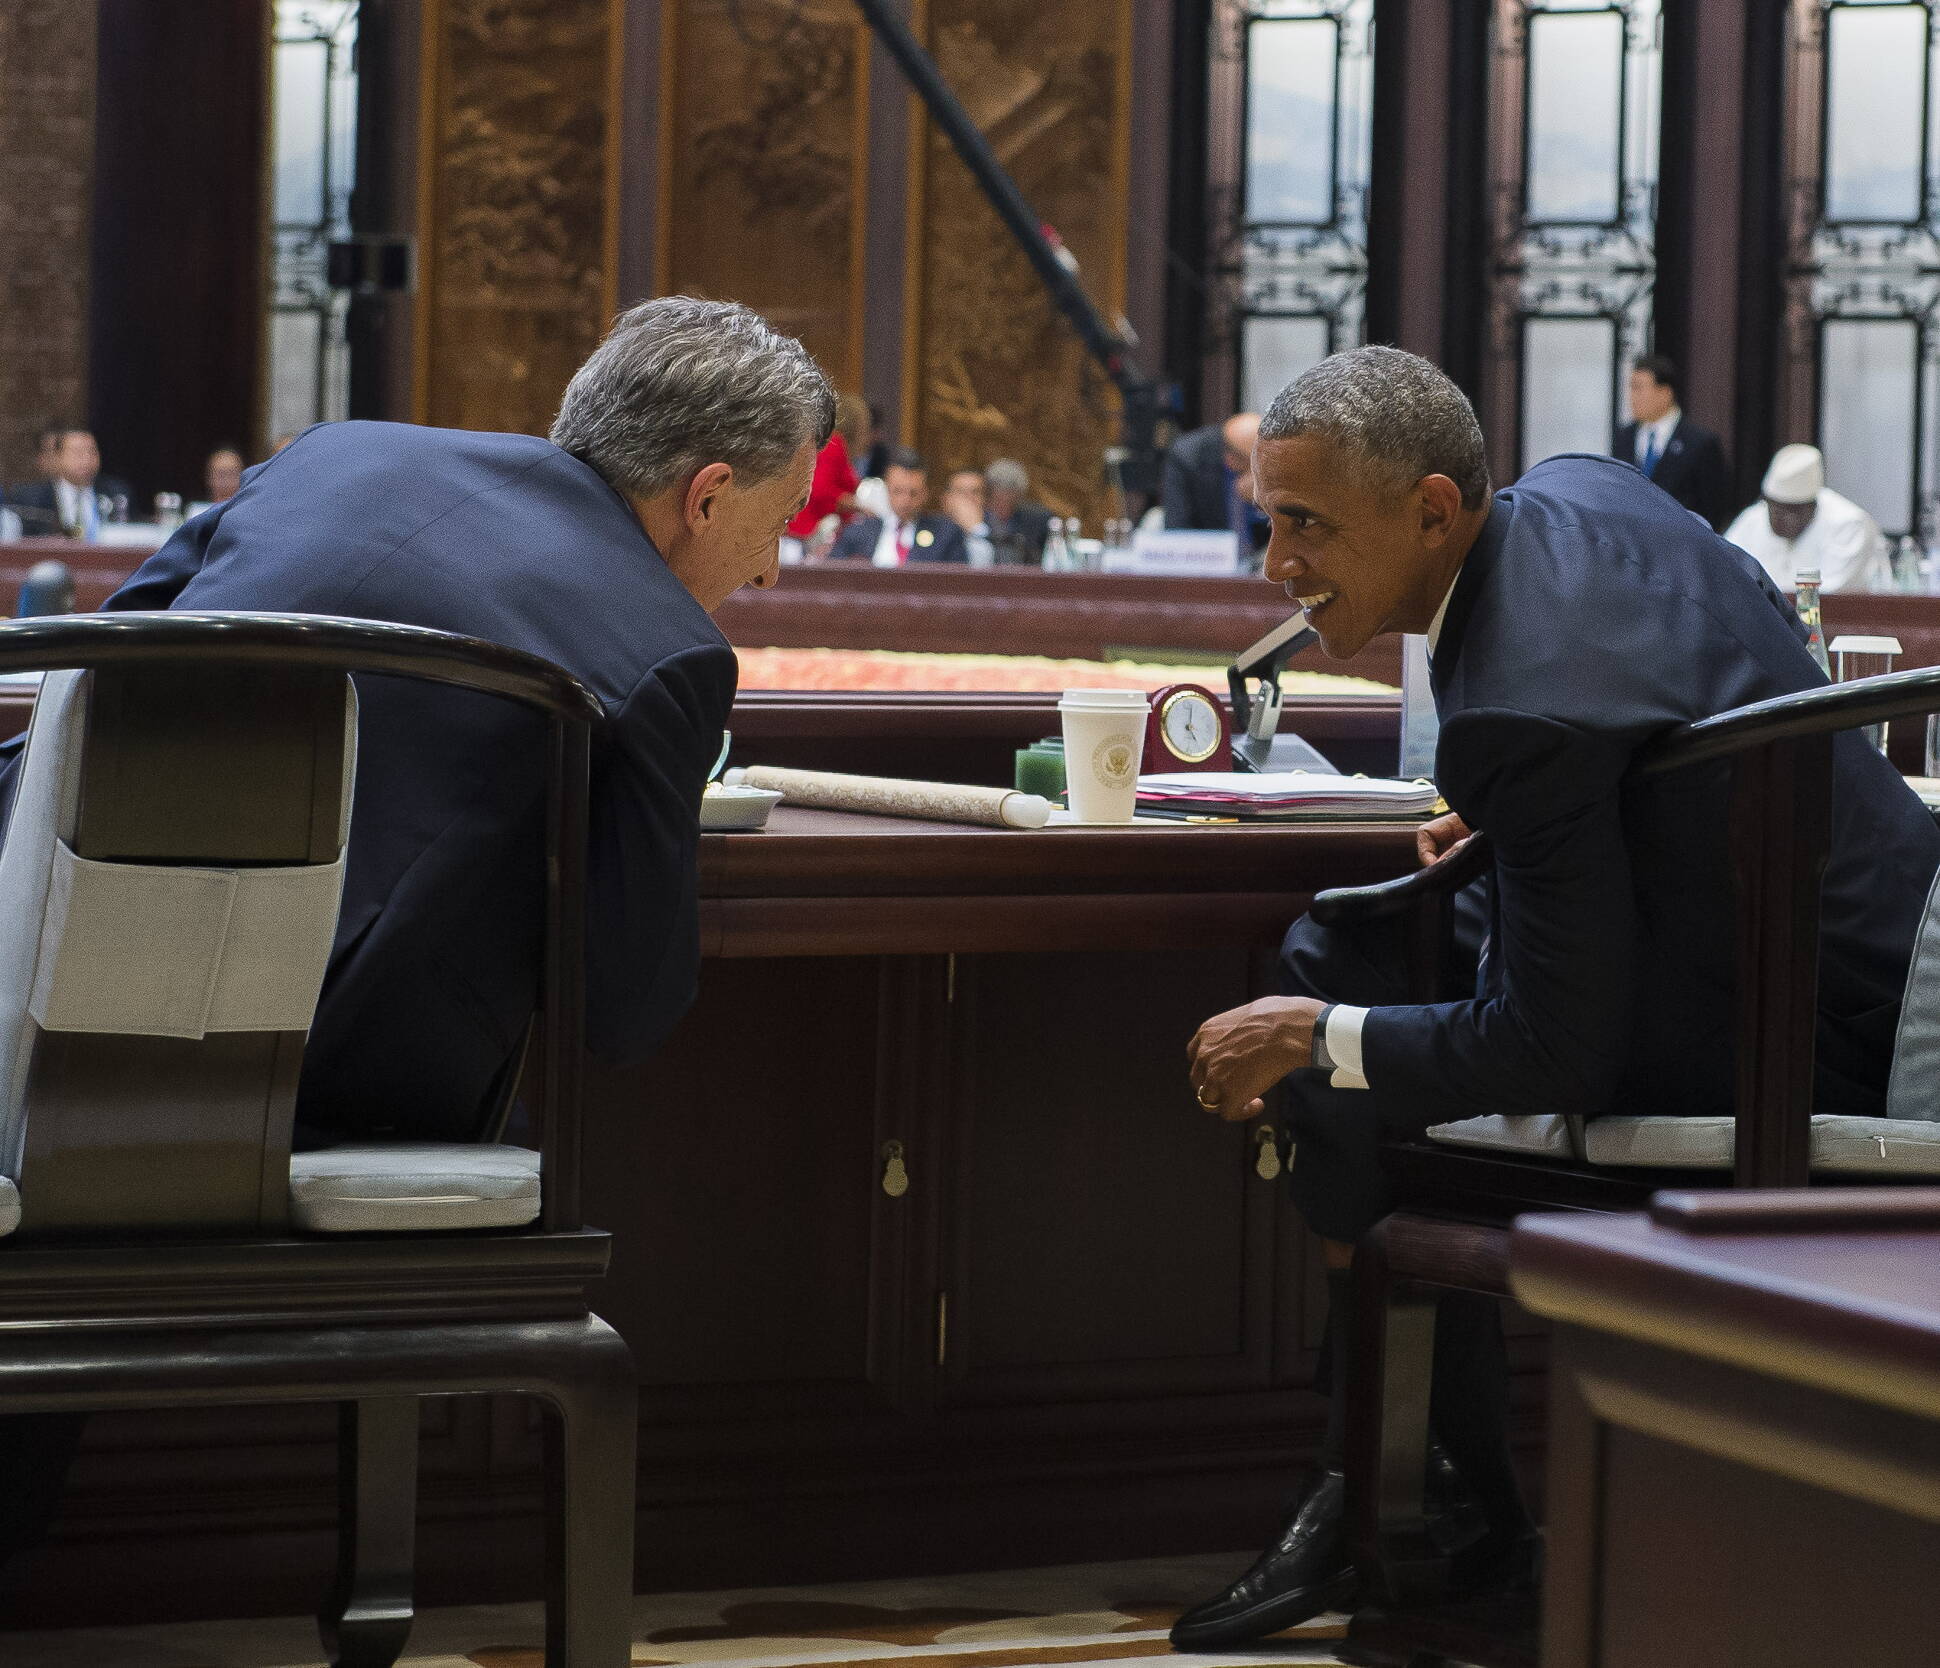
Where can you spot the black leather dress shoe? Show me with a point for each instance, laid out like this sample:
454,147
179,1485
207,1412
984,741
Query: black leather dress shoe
1303,1573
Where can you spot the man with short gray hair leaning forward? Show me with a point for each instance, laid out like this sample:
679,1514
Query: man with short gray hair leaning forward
682,448
1571,619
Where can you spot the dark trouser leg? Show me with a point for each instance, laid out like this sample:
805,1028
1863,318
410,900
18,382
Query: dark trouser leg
1337,1184
1469,1407
36,1450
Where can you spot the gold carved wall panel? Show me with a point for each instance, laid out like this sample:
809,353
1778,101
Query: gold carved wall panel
516,255
991,368
764,129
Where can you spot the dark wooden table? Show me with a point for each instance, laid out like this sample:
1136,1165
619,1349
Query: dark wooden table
1018,611
1744,1430
1083,1329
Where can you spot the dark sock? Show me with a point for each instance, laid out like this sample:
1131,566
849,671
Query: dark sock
1330,1371
1469,1409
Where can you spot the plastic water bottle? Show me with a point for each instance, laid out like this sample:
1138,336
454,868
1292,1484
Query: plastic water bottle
1906,565
1057,550
1806,600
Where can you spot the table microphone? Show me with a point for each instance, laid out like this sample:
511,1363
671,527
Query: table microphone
1256,714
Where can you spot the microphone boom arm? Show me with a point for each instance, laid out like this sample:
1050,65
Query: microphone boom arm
1139,472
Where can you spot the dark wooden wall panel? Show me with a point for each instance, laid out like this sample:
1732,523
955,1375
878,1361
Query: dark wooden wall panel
517,250
46,150
990,368
179,243
762,196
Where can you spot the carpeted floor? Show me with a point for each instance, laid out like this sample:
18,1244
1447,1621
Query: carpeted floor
1081,1613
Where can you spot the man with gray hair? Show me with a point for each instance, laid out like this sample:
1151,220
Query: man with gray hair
1017,527
1571,620
682,447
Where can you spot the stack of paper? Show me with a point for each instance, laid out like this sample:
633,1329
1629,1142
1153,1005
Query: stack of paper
1295,795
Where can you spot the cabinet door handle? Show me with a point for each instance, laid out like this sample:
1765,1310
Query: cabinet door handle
895,1173
1266,1153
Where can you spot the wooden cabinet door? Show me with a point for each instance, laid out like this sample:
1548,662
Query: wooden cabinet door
1101,1237
758,1260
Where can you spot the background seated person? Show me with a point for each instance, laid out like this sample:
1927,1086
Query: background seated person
682,447
1018,527
1572,619
221,476
963,503
832,492
1207,481
1801,524
76,498
906,534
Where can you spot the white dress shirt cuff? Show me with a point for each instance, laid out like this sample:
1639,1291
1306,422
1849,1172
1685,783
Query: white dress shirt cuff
1343,1039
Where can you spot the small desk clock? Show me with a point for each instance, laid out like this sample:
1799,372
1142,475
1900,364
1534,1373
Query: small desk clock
1187,730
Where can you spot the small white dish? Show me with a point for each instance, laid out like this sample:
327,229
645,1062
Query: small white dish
737,809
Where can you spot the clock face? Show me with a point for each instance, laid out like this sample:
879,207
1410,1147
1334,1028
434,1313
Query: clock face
1191,726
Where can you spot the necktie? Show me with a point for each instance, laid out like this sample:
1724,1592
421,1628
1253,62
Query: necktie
1650,455
902,544
90,515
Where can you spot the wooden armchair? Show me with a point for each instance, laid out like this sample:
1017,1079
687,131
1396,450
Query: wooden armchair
1458,1189
168,898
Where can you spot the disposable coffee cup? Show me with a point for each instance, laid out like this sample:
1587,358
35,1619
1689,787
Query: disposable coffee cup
1104,740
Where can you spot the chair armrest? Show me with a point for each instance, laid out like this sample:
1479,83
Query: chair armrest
1839,706
1344,905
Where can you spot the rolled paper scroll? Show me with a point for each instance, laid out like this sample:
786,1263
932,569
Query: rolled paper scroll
891,796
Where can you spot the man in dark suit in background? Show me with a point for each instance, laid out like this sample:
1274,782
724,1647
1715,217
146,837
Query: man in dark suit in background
1017,526
682,447
73,497
1688,462
1572,619
1206,481
906,534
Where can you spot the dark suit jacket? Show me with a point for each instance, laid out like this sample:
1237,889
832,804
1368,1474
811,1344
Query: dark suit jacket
1193,484
1021,539
857,541
1693,470
504,537
1591,616
39,508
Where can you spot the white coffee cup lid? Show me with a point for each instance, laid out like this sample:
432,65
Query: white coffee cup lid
1112,699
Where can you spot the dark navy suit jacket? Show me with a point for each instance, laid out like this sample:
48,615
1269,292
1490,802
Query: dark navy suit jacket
857,541
1693,470
1592,615
508,538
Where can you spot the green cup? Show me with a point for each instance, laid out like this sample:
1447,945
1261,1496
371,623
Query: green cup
1040,770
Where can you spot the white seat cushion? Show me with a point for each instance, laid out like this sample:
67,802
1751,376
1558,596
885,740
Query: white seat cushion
366,1187
1876,1146
1662,1143
1851,1146
1539,1134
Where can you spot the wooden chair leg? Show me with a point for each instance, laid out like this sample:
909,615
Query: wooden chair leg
1389,1374
367,1618
591,1430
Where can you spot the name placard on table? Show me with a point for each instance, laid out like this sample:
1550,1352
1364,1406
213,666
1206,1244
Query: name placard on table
1193,554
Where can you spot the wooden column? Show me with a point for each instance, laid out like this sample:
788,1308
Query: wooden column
176,278
1427,231
1720,239
384,202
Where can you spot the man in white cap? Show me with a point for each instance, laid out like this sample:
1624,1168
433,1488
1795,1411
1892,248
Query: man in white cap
1801,524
